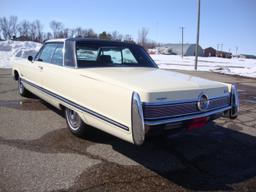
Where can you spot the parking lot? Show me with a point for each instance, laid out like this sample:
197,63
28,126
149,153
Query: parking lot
38,153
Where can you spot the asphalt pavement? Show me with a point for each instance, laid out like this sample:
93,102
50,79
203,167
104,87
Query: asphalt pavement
38,153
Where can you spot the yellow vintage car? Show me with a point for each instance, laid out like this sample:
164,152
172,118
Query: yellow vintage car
117,88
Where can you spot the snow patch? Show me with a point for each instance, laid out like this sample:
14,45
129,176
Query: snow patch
11,50
234,66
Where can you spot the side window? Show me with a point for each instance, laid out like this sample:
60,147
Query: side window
128,57
114,54
57,57
46,53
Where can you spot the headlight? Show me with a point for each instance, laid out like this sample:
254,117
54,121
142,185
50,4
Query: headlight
138,129
234,102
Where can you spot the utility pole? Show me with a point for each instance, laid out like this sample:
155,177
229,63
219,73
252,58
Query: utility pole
197,36
182,38
236,50
221,45
218,47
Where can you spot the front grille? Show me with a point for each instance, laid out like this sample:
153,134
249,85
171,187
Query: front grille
163,111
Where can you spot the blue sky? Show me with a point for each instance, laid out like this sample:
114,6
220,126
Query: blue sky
228,22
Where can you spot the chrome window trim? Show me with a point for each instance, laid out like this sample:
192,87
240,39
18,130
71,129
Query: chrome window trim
63,53
187,117
160,103
75,56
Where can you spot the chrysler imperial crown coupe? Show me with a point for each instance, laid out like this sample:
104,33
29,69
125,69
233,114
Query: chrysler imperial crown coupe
117,88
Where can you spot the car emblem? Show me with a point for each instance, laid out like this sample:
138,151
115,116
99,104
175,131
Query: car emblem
203,102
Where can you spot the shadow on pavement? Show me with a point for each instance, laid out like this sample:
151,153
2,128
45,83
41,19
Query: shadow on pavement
211,158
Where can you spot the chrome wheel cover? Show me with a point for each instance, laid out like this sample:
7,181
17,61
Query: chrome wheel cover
21,87
73,119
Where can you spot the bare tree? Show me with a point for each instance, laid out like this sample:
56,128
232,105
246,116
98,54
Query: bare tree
66,33
32,31
72,32
4,27
23,28
39,31
78,32
142,37
105,36
13,25
56,27
48,36
91,34
116,36
9,26
127,38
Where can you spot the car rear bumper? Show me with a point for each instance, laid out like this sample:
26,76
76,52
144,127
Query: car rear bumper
187,117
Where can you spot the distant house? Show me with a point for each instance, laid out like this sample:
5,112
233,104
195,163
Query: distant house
223,54
246,56
210,52
176,49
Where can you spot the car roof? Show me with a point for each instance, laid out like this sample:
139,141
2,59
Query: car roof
91,40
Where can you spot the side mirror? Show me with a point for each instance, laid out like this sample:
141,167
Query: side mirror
30,58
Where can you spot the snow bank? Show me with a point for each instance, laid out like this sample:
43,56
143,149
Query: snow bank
234,66
10,50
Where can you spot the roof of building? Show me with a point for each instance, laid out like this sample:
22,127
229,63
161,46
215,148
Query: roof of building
177,47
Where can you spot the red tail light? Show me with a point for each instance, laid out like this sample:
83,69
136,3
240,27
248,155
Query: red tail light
197,123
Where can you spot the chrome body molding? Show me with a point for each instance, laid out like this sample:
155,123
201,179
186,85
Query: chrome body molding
159,103
77,106
187,117
138,128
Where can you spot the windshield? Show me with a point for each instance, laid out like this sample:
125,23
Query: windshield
93,55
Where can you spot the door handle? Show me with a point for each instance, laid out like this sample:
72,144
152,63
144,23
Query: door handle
40,67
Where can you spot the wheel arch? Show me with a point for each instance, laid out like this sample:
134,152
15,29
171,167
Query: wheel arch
16,75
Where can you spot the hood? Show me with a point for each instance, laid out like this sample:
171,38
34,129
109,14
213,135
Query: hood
147,81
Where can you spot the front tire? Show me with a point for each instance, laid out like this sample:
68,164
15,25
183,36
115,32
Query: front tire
74,122
22,90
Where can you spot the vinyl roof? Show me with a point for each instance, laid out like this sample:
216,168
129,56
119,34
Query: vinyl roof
91,40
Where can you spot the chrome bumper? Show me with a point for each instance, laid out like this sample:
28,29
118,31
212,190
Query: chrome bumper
188,117
139,123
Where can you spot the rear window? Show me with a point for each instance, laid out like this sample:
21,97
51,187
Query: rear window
93,55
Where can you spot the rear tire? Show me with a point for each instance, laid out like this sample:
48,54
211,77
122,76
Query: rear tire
22,90
74,122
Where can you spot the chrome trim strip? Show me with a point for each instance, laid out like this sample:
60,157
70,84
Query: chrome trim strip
63,53
138,127
79,107
180,101
188,117
174,116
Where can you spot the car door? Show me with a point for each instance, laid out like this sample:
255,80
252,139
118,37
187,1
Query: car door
52,70
34,73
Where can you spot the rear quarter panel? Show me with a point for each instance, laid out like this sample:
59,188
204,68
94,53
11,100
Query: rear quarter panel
103,98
